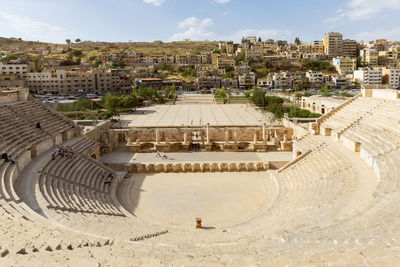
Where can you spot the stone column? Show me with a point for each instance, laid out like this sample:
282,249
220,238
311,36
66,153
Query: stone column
208,133
235,137
255,138
284,138
185,138
157,137
226,137
128,140
263,133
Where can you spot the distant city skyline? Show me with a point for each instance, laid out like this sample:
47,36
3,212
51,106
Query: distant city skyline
177,20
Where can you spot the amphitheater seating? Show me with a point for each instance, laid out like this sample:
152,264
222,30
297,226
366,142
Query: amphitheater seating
305,143
349,114
34,112
77,184
18,136
22,234
309,223
376,132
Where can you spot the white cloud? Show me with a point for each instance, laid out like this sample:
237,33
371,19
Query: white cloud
154,2
194,29
263,33
222,1
16,26
363,10
199,29
392,34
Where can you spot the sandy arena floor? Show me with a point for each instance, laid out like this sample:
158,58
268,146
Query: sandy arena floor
220,199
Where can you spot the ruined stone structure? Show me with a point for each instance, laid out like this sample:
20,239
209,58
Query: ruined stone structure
211,138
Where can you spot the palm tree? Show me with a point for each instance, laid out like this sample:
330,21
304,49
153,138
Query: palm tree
77,40
68,41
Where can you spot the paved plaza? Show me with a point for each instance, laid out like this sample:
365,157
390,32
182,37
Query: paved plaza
195,115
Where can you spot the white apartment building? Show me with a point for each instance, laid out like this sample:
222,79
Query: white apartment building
368,76
394,78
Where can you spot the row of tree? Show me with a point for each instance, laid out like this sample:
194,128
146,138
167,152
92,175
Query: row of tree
275,105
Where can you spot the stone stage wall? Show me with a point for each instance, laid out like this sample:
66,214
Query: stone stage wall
210,138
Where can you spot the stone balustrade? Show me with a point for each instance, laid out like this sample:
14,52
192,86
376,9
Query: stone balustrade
178,167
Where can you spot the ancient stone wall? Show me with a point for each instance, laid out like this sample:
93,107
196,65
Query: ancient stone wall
216,134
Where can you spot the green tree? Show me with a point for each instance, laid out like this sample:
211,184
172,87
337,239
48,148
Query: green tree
326,90
97,63
359,62
109,113
68,41
229,68
77,40
282,43
240,57
128,101
222,92
297,41
112,101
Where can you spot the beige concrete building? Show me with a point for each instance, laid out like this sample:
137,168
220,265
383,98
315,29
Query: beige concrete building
345,65
317,47
10,81
321,104
333,44
72,82
18,70
349,48
370,57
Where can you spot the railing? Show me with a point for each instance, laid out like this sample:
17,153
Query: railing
327,115
295,161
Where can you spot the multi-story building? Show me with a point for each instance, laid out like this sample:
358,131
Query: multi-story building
72,82
247,81
208,82
252,54
18,70
368,76
393,77
317,47
339,82
370,57
333,44
349,48
282,80
132,57
222,63
204,70
10,81
230,83
143,72
316,79
345,65
265,82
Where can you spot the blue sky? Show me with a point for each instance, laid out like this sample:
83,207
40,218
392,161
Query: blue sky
167,20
